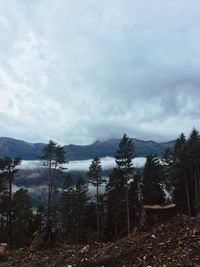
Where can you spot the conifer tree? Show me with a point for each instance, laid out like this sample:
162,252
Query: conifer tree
67,204
53,157
135,198
73,204
81,199
8,167
182,181
193,153
152,181
124,157
23,219
116,204
96,180
168,173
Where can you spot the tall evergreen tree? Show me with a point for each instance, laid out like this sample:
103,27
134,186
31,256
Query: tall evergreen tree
116,204
135,198
182,182
8,167
23,219
73,205
81,191
53,156
124,156
168,174
96,180
152,181
193,153
67,204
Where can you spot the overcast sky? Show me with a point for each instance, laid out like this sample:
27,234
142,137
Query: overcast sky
81,70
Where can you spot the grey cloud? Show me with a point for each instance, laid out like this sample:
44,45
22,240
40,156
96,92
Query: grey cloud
79,71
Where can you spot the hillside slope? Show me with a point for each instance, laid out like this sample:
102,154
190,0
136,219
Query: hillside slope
173,243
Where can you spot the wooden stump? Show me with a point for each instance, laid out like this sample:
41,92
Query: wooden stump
152,214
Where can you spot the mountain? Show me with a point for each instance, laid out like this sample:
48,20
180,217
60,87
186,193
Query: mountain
31,151
18,148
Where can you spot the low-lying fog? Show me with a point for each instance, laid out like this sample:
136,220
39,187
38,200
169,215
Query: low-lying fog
81,165
30,168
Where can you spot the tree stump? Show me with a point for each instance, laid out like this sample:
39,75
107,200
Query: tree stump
4,250
152,214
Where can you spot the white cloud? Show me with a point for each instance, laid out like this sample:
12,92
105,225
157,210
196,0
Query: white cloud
81,165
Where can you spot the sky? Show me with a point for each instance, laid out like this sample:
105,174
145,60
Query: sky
77,71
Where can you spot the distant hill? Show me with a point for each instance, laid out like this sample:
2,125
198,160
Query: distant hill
18,148
31,151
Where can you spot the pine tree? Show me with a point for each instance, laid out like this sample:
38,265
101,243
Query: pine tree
182,182
152,181
124,157
73,205
168,174
116,204
193,153
135,198
81,200
96,180
53,157
8,167
23,219
67,206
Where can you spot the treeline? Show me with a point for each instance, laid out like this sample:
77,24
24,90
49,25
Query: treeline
99,208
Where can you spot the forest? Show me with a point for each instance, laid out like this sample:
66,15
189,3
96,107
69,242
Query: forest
73,216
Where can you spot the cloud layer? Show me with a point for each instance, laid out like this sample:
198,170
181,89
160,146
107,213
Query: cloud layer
80,165
78,71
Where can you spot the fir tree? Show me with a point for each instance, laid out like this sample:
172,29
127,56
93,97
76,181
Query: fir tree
8,167
124,157
116,204
81,200
193,153
168,174
96,180
53,157
152,181
23,219
135,198
182,182
67,204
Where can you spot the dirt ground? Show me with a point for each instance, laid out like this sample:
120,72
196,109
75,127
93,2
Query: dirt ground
175,243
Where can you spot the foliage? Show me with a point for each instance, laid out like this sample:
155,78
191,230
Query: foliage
95,178
8,168
73,205
123,158
152,181
53,156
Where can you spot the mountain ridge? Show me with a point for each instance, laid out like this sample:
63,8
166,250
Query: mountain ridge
30,151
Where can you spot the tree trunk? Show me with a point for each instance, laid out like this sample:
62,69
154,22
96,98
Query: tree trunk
127,210
49,198
187,195
196,191
10,213
98,226
115,237
197,184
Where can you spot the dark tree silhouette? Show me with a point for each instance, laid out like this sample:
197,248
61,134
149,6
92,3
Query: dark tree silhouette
53,157
8,167
124,157
96,180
